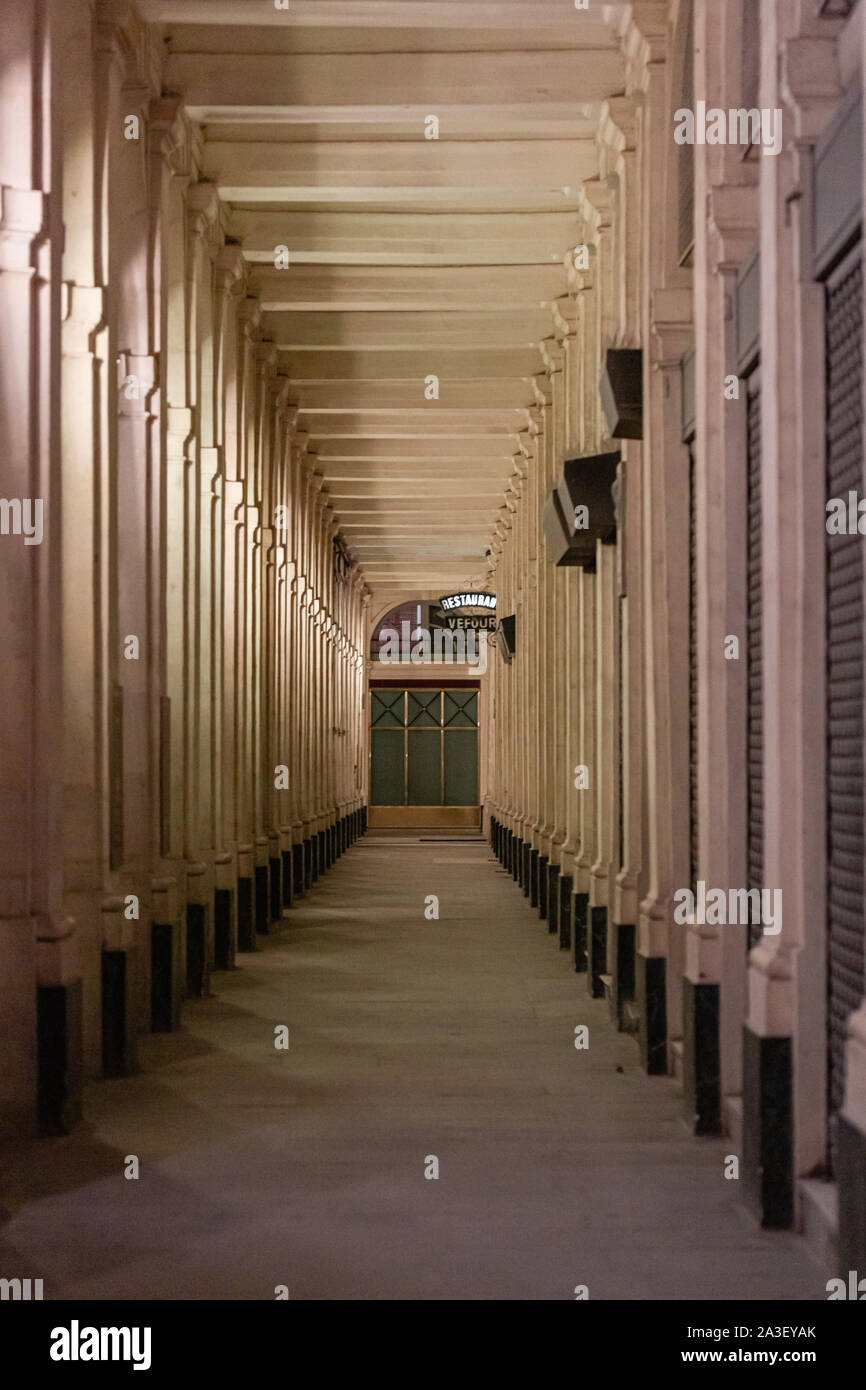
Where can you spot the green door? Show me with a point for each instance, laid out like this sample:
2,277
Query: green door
424,757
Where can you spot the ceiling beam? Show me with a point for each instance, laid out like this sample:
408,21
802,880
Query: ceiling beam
350,397
387,14
245,170
398,238
451,366
430,82
373,289
390,330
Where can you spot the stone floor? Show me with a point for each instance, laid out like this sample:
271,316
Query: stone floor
409,1038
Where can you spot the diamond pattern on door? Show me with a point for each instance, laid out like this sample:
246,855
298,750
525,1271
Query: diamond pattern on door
461,709
423,709
386,709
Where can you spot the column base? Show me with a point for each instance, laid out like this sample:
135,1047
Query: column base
223,933
652,1009
768,1150
552,898
596,951
164,978
566,885
119,1030
246,932
262,899
543,862
288,894
579,912
297,871
197,972
702,1084
59,1053
275,879
623,983
851,1179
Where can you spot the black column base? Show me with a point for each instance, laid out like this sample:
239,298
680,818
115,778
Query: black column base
850,1164
552,898
516,857
164,977
580,912
297,871
566,886
223,934
59,1056
324,863
197,972
308,864
246,932
768,1149
596,951
262,899
622,991
287,875
653,1011
543,862
119,1031
364,821
491,833
533,877
702,1082
275,879
527,859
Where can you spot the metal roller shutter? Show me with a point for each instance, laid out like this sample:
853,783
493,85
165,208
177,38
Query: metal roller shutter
754,629
621,749
844,578
693,676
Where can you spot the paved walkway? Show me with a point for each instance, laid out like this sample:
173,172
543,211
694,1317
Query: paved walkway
408,1038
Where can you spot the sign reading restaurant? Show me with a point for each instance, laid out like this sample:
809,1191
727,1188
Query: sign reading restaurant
468,601
471,610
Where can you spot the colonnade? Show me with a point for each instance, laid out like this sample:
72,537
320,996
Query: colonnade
668,721
183,740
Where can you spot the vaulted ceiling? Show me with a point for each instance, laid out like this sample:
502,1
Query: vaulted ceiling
409,257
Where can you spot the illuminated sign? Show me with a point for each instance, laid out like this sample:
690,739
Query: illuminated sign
468,601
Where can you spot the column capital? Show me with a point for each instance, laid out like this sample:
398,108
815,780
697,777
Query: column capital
671,325
23,219
250,316
230,270
171,135
732,217
810,82
206,214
